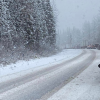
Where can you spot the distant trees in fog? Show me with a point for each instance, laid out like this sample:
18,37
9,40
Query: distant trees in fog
73,37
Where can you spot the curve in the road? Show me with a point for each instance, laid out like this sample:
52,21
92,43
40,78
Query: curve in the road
59,78
4,86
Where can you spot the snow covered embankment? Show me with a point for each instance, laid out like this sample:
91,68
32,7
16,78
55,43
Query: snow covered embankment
23,67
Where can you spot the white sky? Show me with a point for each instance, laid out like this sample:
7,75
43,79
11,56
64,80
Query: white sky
75,12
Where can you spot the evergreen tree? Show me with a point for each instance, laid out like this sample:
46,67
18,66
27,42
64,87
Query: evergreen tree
50,21
28,23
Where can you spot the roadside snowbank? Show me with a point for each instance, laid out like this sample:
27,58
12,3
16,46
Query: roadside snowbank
33,65
86,86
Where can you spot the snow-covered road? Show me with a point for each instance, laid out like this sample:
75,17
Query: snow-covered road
85,86
33,86
21,68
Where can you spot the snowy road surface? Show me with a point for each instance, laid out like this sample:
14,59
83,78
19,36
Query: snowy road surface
85,86
43,83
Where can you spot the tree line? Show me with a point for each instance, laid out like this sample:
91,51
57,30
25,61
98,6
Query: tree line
26,26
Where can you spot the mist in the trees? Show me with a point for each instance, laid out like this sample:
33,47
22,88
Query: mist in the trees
77,22
77,38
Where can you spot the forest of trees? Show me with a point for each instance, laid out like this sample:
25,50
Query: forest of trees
26,27
73,37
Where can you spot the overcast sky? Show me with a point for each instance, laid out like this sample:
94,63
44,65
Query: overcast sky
75,12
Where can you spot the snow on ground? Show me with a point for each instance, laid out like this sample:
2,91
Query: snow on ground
86,86
23,67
